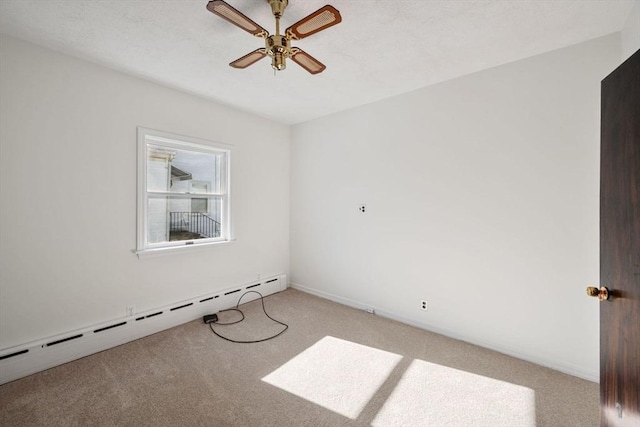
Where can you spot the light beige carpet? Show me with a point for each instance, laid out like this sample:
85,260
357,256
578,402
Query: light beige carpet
334,366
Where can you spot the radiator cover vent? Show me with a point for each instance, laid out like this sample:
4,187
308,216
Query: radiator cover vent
29,358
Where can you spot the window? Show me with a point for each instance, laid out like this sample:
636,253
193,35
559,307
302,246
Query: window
183,191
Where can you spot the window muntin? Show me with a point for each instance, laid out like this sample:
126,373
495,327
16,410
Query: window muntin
172,170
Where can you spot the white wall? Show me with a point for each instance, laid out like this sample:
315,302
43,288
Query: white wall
68,195
482,196
631,32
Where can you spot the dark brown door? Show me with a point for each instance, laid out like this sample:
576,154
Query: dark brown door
620,246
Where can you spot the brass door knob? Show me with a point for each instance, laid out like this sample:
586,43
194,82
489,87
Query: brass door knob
602,294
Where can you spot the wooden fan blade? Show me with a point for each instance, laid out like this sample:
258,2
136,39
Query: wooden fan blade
319,20
249,58
225,11
306,61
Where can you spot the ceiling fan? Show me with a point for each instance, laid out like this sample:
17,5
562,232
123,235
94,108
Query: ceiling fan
278,46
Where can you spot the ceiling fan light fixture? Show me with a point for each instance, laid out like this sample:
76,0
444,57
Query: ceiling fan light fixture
278,62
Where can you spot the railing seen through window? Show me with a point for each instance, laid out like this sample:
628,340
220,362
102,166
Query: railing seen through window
192,225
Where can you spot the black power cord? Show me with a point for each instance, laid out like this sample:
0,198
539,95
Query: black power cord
242,314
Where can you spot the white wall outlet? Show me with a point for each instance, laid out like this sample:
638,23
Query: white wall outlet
362,208
423,305
130,310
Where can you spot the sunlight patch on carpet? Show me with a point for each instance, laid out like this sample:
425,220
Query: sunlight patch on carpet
434,395
338,375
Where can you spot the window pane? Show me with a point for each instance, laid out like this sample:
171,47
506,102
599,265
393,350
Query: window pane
157,227
183,218
182,171
158,164
183,190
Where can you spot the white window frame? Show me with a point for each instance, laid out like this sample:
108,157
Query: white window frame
174,141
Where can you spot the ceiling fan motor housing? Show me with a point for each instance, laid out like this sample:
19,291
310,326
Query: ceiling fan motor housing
279,49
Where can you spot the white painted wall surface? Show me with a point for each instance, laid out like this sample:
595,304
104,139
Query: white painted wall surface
68,195
631,32
482,197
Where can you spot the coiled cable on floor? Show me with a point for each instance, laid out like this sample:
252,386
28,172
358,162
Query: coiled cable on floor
238,321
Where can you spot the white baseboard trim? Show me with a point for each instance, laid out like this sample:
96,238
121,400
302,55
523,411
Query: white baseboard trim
26,359
566,368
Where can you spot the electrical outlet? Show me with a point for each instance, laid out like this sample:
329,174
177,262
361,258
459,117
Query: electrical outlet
362,208
423,305
130,310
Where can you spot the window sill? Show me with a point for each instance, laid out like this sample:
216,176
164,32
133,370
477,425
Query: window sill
152,253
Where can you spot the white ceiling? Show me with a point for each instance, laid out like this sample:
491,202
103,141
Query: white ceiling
381,48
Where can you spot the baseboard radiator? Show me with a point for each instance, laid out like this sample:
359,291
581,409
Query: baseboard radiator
26,359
